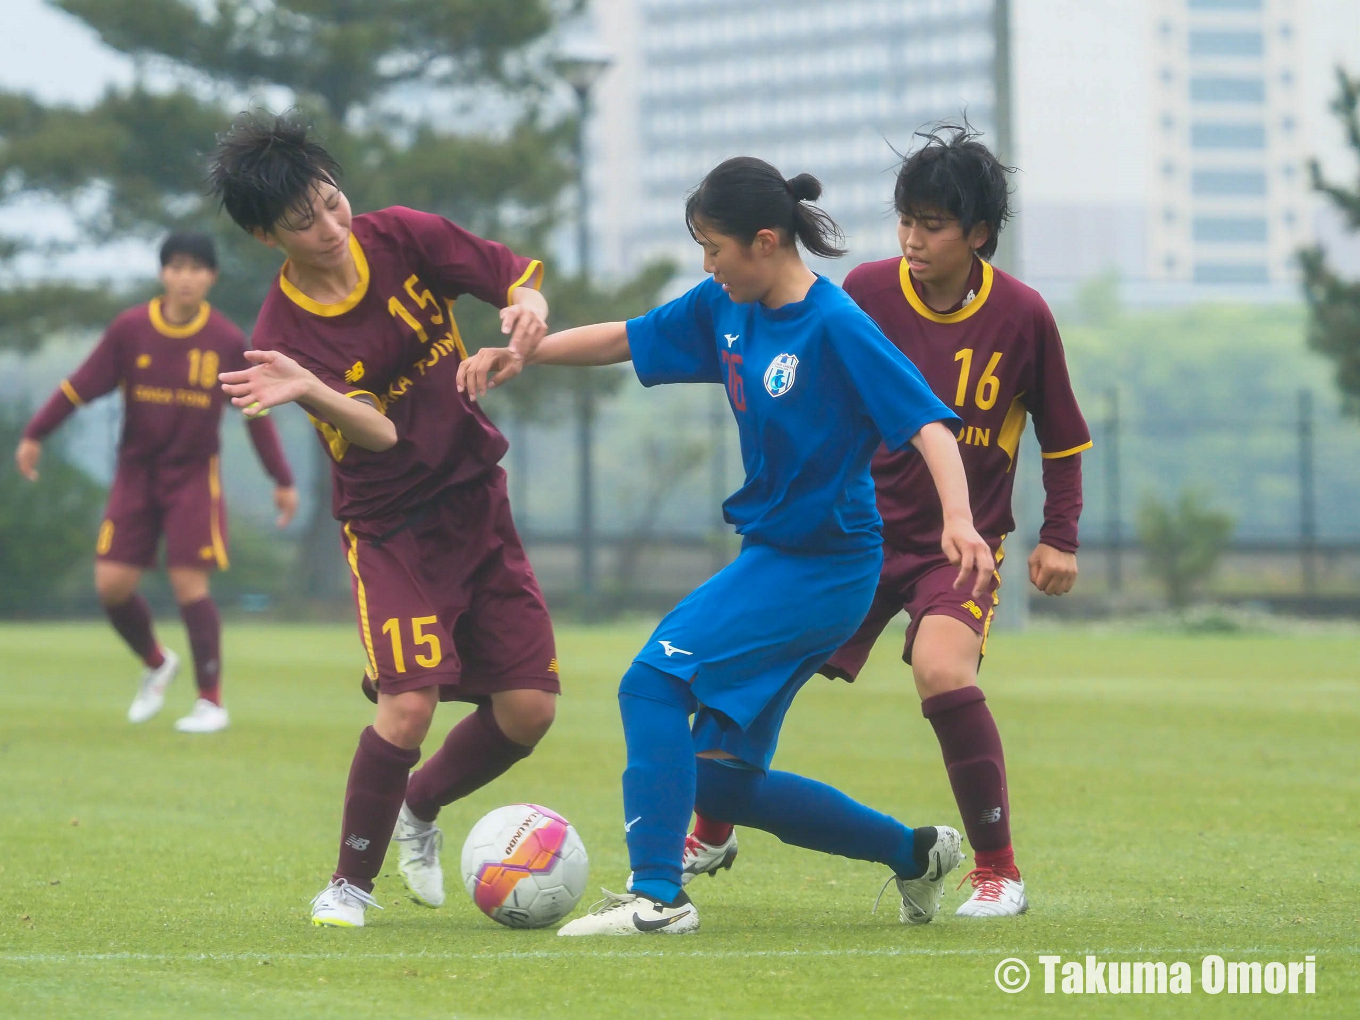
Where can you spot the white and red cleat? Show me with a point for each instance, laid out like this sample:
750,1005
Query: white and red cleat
997,892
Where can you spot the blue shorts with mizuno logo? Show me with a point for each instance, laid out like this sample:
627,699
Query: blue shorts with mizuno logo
748,638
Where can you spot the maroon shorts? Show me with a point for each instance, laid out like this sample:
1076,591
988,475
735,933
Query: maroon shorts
446,598
183,502
922,584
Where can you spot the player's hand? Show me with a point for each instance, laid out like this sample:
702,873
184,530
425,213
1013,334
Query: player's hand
1051,570
26,457
272,380
525,327
488,368
286,499
968,551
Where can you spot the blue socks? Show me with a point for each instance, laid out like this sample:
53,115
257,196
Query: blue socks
658,783
806,813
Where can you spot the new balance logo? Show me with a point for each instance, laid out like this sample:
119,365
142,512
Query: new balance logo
355,372
670,649
989,817
731,338
973,608
628,826
357,843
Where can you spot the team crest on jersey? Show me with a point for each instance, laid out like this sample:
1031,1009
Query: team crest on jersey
780,375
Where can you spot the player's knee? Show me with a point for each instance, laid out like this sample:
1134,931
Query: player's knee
723,791
939,676
113,591
404,719
526,718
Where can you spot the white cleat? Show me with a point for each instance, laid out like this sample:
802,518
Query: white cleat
418,845
341,905
705,858
635,914
204,717
921,896
994,895
151,694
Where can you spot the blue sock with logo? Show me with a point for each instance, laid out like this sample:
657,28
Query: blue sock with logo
806,813
658,782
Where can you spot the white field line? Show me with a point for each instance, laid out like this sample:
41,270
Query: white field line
1126,953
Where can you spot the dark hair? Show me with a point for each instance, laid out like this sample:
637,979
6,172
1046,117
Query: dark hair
743,195
955,174
199,247
264,169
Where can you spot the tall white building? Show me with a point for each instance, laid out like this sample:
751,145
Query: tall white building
826,87
1228,187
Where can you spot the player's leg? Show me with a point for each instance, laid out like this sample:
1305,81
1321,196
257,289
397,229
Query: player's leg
125,548
204,628
195,527
944,659
658,795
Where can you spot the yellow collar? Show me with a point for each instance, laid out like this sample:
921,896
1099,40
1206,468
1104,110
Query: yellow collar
339,307
200,319
926,312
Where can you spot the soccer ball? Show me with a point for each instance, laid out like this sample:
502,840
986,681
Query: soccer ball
524,866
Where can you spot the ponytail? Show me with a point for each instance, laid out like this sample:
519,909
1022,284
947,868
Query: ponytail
744,195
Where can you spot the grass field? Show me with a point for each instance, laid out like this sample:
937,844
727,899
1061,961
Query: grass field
1173,797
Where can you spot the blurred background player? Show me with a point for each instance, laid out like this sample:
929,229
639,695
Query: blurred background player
815,388
359,330
989,348
165,355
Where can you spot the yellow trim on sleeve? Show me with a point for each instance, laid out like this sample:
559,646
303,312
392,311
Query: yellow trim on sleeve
532,277
71,393
361,596
339,307
377,400
926,312
215,514
200,319
1067,453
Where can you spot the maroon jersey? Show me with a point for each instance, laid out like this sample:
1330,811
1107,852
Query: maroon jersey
171,396
996,361
394,340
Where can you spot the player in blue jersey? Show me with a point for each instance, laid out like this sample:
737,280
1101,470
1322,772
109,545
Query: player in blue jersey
815,387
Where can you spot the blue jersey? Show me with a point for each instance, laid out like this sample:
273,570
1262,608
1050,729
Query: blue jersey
814,386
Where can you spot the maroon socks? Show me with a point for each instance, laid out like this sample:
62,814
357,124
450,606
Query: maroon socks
132,621
205,639
373,795
711,832
977,769
474,753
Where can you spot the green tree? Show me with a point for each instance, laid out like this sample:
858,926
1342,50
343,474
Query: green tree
365,70
1334,303
1182,542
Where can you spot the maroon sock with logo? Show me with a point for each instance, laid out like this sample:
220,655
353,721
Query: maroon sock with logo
711,832
132,621
977,767
475,752
205,639
377,783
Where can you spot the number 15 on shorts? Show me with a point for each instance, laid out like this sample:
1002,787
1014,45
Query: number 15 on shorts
420,639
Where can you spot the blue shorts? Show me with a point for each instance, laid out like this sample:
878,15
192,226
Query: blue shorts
748,638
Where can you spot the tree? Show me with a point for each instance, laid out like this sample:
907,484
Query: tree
131,165
1182,542
1334,303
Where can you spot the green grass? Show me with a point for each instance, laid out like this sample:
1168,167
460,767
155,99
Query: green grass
1173,796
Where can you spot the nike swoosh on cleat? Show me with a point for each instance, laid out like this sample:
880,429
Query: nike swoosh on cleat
644,925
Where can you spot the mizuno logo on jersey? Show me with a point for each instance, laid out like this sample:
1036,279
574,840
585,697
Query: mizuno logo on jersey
731,338
780,375
670,649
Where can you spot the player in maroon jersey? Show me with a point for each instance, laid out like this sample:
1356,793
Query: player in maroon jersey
165,355
359,330
989,348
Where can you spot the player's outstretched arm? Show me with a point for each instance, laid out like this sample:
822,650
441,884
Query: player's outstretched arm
605,343
959,539
275,379
525,321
